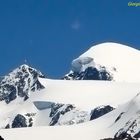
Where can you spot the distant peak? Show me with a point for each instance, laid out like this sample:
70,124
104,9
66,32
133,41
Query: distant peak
19,83
24,65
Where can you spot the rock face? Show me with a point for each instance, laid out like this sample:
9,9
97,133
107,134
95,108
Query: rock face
58,110
86,69
90,73
100,111
122,136
19,83
130,130
67,114
1,138
21,120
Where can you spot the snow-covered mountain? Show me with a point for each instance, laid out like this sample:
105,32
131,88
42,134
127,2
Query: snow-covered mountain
107,61
19,83
107,107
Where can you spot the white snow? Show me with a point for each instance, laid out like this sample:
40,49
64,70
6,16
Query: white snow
85,95
113,55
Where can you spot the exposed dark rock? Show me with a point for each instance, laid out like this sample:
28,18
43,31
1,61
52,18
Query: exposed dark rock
1,138
54,109
137,135
7,126
12,93
30,122
57,110
100,111
119,116
36,86
90,73
30,114
19,121
130,131
124,136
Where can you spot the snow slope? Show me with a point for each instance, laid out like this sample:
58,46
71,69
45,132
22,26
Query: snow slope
87,94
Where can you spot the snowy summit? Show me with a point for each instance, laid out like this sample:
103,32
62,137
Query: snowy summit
107,61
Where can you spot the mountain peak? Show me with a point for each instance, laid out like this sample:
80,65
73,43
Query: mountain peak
19,83
106,61
24,65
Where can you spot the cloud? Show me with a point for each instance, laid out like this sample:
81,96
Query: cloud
76,25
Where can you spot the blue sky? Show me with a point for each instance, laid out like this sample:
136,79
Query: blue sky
51,33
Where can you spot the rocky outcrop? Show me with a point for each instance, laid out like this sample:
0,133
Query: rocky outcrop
100,111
